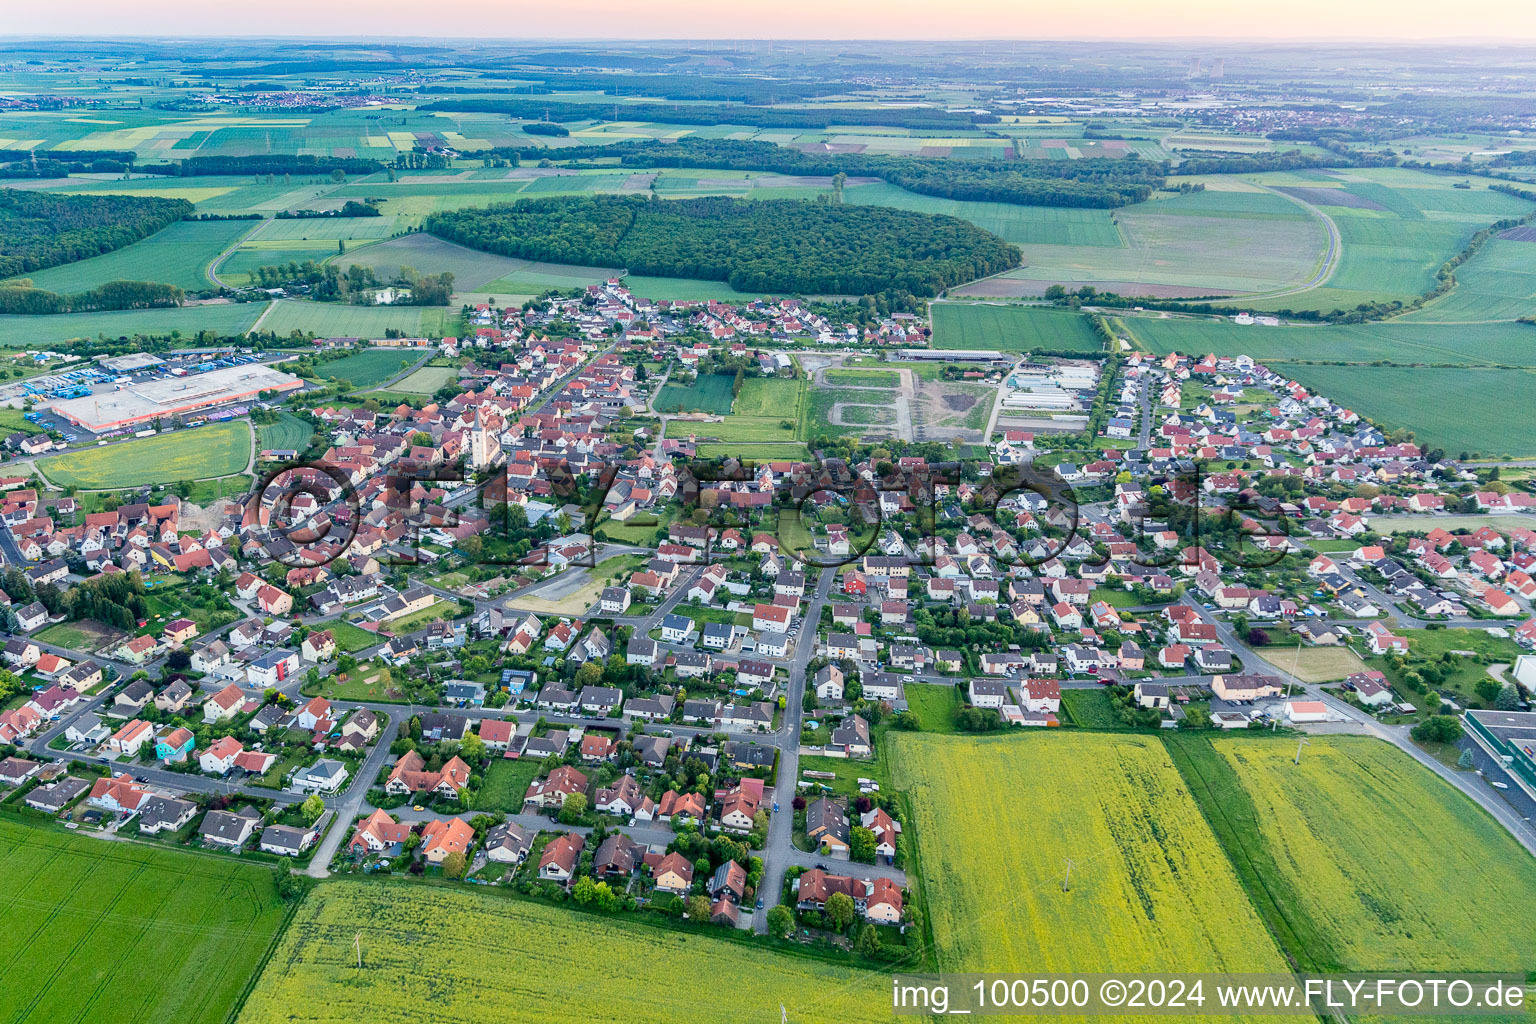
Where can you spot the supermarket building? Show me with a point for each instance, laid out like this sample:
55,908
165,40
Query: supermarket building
137,404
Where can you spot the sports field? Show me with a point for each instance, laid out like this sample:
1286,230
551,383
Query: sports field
338,320
1150,888
218,449
1454,893
122,932
1009,328
495,958
178,255
226,318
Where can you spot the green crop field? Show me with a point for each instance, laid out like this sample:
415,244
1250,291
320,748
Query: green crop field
289,432
178,255
1453,895
338,320
328,229
1499,283
313,977
1007,328
429,254
1434,403
863,378
120,932
226,318
218,449
427,380
1151,889
1022,225
1205,243
765,452
708,393
369,367
1401,341
684,289
239,265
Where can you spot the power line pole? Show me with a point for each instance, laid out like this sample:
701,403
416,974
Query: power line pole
357,941
1066,881
1299,744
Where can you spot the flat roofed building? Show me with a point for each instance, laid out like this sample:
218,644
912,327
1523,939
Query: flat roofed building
174,396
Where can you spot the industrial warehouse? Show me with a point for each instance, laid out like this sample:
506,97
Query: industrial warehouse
135,404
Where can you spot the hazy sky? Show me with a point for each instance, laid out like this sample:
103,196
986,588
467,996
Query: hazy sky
1318,20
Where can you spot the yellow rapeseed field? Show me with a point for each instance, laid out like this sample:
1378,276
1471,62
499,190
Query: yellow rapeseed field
1391,868
998,817
467,957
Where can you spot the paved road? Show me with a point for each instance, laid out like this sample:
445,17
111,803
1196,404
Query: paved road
350,803
780,848
1330,258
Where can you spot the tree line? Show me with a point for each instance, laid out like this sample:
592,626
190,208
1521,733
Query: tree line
20,298
785,245
26,163
536,108
39,230
271,163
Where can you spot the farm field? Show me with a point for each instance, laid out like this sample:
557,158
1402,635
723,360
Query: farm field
1022,225
759,413
1218,242
239,266
218,449
1396,228
369,367
1401,341
1453,895
222,318
1315,664
1433,402
313,976
683,289
204,923
338,320
1151,890
427,380
178,255
1007,328
289,432
430,255
709,393
1499,283
863,378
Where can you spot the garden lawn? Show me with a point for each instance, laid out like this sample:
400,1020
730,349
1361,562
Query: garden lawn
965,325
934,705
1453,894
996,818
119,933
218,449
314,977
506,783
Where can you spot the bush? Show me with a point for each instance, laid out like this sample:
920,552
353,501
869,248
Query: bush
1439,729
